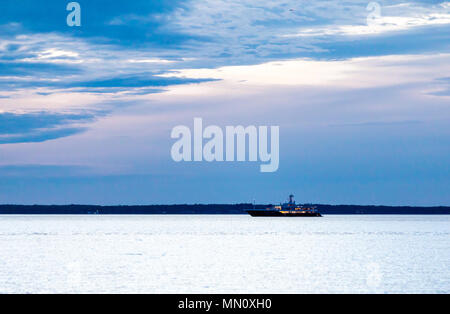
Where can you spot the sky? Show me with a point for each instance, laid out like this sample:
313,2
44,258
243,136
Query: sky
359,90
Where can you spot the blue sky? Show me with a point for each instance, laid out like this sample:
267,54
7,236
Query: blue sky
362,104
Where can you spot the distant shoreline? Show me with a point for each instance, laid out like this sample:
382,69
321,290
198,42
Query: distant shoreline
211,209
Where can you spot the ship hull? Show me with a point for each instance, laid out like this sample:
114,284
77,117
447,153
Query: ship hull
275,213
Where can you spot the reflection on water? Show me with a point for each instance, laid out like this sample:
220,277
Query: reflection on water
224,254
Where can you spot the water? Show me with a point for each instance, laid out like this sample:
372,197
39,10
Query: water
224,254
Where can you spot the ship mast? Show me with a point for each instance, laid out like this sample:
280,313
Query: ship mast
291,200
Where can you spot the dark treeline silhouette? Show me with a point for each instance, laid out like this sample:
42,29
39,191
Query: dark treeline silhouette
210,209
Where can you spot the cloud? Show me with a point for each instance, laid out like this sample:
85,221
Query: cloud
374,95
392,18
136,81
250,30
213,32
443,87
40,126
51,61
36,17
154,60
23,69
445,92
40,53
377,123
137,68
354,73
42,170
39,136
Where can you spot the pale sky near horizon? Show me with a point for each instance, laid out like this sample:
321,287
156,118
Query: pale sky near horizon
363,104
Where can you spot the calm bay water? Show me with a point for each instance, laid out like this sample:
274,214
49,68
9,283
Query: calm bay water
224,254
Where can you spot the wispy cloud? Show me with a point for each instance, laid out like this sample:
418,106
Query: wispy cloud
354,73
409,16
40,126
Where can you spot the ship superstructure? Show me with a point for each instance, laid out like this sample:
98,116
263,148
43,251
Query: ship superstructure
289,209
